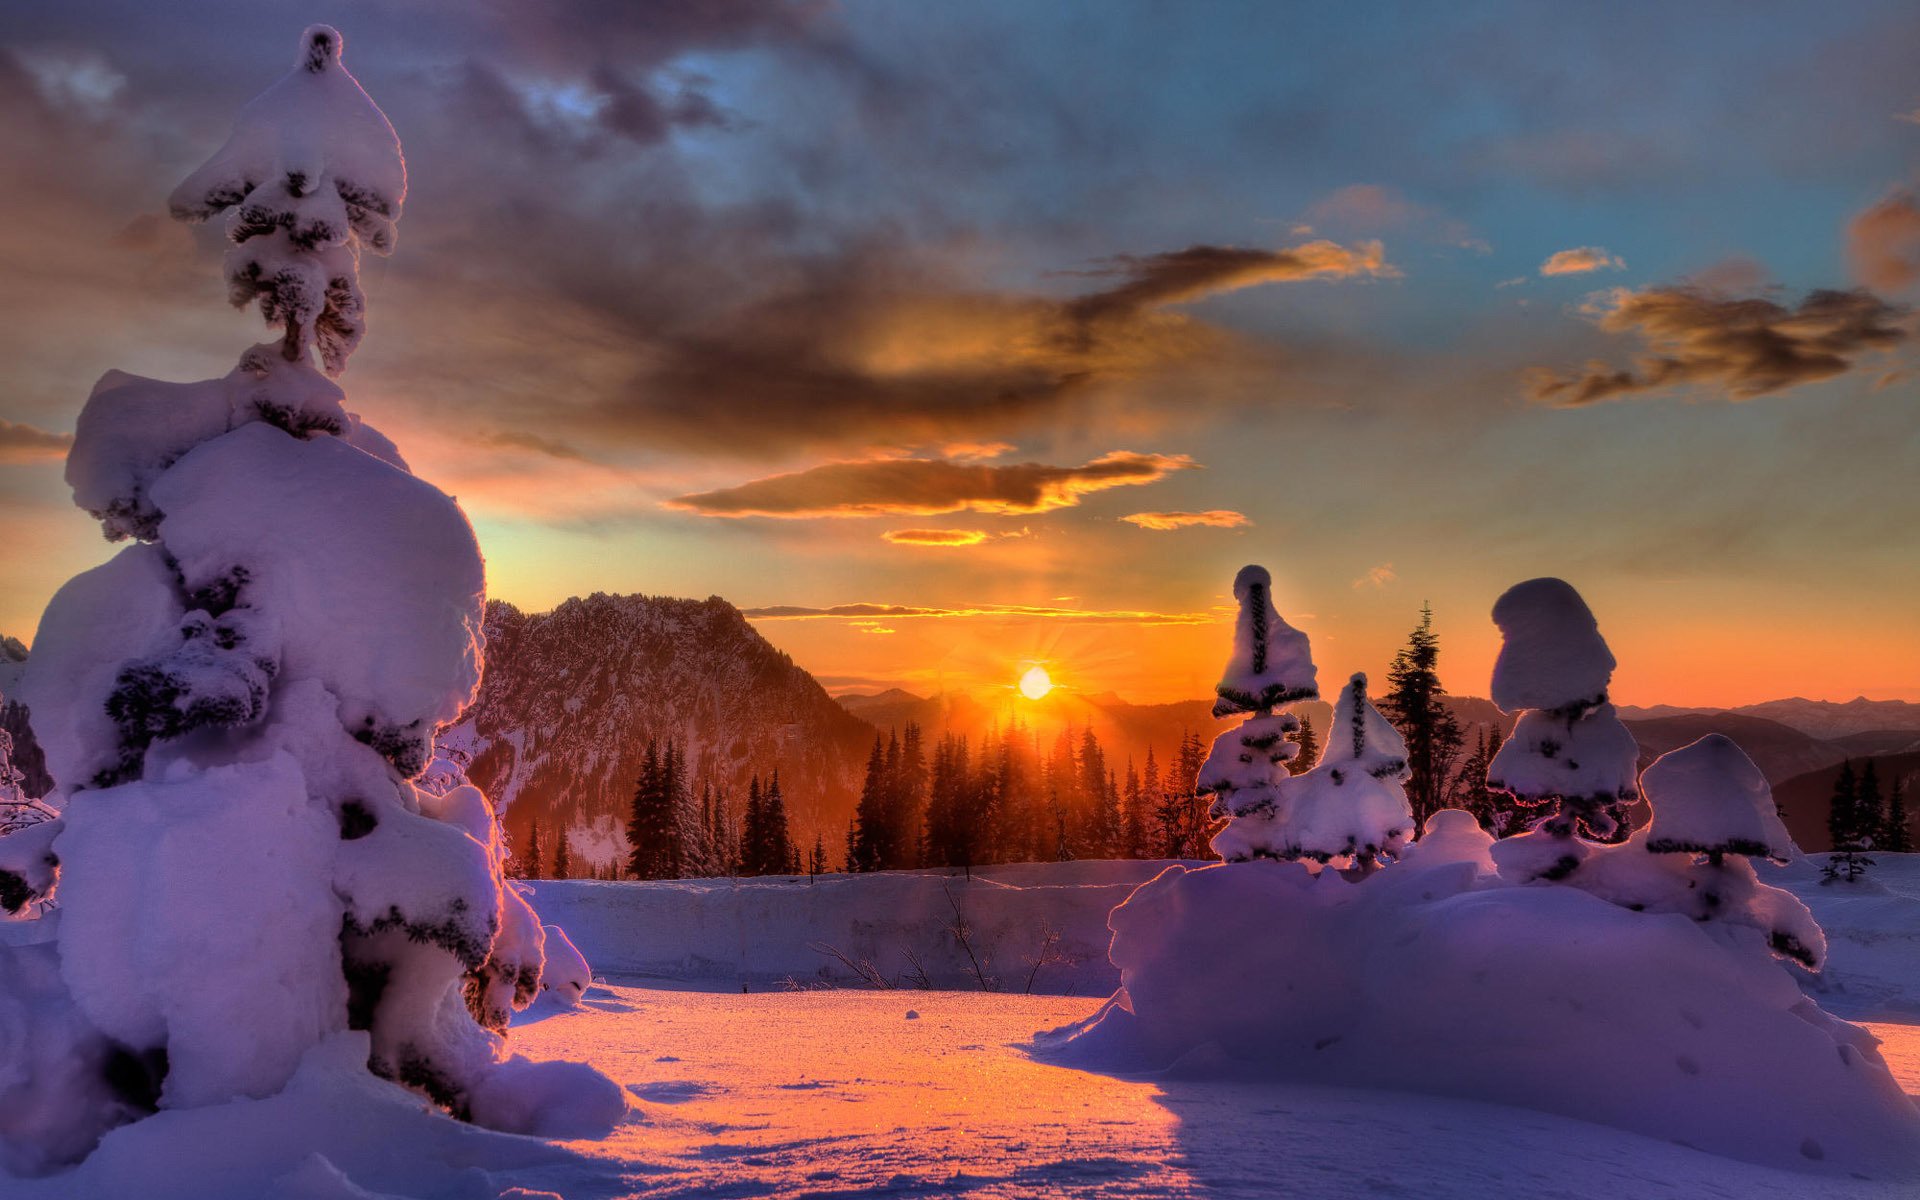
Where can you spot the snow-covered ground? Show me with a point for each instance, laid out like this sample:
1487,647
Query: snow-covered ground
843,1091
762,933
897,1094
814,1090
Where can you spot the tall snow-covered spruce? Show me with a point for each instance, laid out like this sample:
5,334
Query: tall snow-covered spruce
1271,666
234,710
1569,754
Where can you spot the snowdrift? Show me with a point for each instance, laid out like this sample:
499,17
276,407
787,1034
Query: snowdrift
1435,976
765,932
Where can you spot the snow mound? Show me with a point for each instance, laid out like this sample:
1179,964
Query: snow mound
566,975
1553,656
1433,977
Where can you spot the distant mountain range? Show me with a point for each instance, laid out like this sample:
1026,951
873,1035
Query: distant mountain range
570,698
1824,719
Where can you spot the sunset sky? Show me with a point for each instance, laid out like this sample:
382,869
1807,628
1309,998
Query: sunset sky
948,338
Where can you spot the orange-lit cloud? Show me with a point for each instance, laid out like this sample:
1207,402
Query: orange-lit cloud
1580,260
26,444
858,613
928,487
936,537
1377,577
1214,518
1883,243
1742,346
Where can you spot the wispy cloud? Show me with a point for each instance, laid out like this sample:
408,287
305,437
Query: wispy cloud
936,537
992,612
27,444
1214,518
1371,208
1883,242
1377,578
929,486
1740,346
1581,260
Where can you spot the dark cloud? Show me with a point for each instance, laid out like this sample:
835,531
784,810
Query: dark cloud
1740,346
874,348
1175,277
1883,243
929,486
25,444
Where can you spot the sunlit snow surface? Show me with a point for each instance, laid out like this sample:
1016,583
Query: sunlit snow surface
842,1092
839,1092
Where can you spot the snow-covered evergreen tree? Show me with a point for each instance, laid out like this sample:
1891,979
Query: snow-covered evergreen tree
1569,753
234,709
1271,665
1352,807
1713,813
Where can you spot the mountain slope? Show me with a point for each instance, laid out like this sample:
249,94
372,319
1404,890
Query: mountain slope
570,698
1803,799
1780,751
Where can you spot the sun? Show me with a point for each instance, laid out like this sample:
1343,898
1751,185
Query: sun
1036,683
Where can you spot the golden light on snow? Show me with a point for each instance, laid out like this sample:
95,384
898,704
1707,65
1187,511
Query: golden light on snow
1036,683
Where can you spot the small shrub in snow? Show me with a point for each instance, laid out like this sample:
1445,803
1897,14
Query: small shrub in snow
235,713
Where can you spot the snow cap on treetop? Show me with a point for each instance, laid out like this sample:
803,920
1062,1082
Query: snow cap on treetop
1553,656
1272,663
316,119
1709,797
311,175
1362,737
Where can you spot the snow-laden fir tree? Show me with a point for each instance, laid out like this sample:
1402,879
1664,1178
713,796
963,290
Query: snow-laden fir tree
1569,754
1352,807
1271,665
1713,814
234,708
